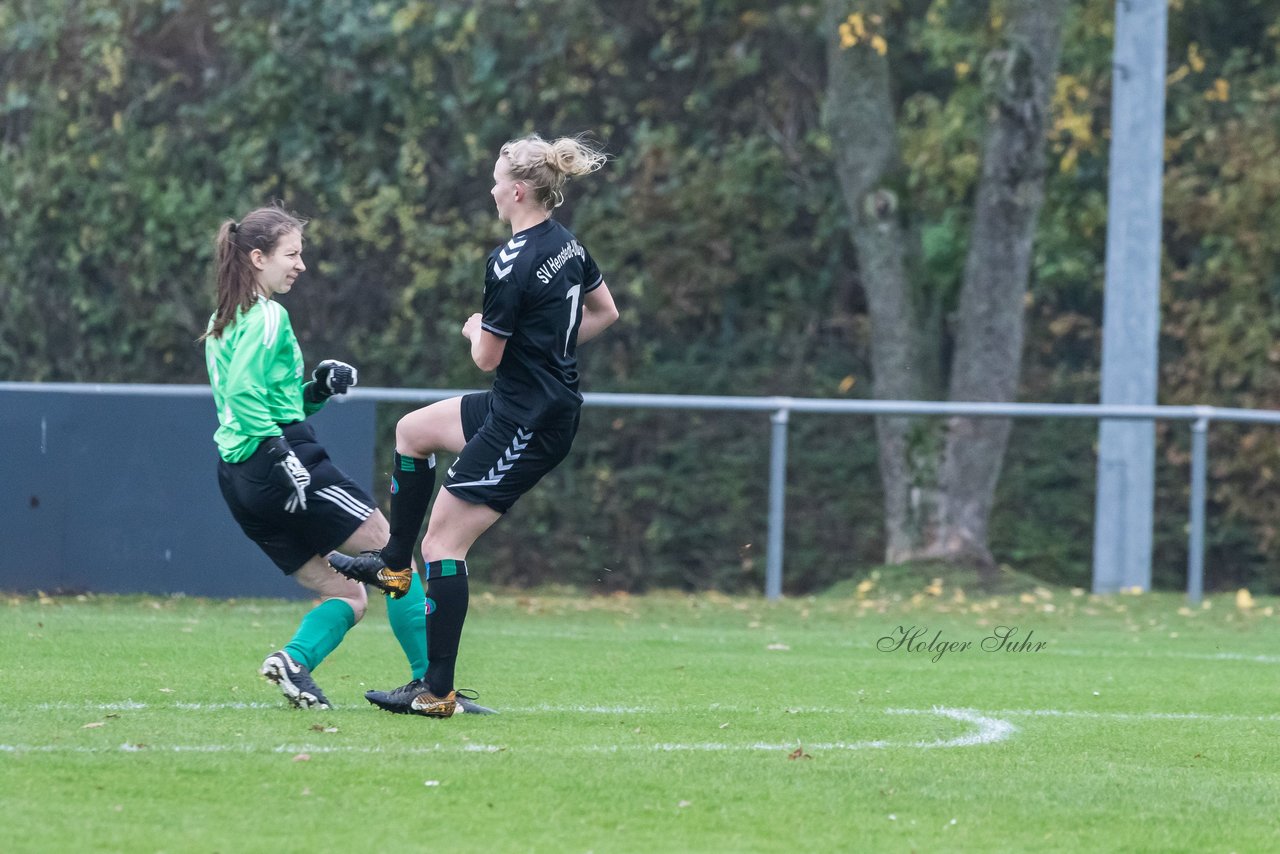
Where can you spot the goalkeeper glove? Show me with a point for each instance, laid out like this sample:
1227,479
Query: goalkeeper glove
288,473
329,378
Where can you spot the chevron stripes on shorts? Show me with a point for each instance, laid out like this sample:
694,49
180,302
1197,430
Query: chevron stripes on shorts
502,460
506,462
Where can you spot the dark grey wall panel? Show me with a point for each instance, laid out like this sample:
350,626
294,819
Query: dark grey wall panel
118,493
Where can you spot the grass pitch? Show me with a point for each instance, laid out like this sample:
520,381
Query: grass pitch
868,720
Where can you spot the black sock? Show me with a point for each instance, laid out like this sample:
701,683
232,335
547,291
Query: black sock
447,597
412,482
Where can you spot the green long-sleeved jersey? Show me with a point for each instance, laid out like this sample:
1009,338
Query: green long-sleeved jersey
256,372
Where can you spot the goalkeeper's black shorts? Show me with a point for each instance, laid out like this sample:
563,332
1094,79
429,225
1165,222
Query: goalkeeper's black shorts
336,506
502,460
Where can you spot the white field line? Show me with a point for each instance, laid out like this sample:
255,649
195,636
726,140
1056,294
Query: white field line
1193,656
1145,717
586,709
986,730
136,706
987,727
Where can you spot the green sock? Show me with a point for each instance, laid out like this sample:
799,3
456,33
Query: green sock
408,619
320,632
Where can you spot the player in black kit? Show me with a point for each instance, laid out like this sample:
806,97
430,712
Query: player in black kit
543,295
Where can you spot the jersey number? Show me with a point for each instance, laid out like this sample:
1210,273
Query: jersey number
572,296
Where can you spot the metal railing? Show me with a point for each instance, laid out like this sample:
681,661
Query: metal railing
780,409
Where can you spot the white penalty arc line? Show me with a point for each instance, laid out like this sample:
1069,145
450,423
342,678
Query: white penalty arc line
988,730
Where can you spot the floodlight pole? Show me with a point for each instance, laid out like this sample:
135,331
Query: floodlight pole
1131,302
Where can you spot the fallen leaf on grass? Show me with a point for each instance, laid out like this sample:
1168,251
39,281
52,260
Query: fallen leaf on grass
798,753
302,757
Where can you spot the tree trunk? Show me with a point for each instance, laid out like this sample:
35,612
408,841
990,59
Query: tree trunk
939,477
904,361
989,323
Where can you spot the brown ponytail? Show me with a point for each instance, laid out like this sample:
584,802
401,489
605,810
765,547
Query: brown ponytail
237,285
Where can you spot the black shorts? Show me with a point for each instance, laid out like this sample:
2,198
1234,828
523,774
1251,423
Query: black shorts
503,460
336,506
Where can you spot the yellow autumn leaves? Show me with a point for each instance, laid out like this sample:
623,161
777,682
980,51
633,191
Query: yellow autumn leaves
1219,91
855,31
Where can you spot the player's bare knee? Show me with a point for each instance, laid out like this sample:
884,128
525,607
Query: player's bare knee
429,546
318,577
351,592
413,439
436,547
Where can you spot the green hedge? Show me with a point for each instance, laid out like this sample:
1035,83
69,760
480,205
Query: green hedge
130,128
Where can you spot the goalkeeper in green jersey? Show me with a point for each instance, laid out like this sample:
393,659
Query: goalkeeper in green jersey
279,483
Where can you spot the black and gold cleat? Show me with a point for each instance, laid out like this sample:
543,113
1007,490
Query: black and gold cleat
397,700
416,699
368,567
467,703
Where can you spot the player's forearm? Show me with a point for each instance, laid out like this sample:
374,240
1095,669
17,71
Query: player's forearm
593,323
486,348
483,355
598,313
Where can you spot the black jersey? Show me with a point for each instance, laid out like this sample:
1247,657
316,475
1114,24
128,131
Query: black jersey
534,285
